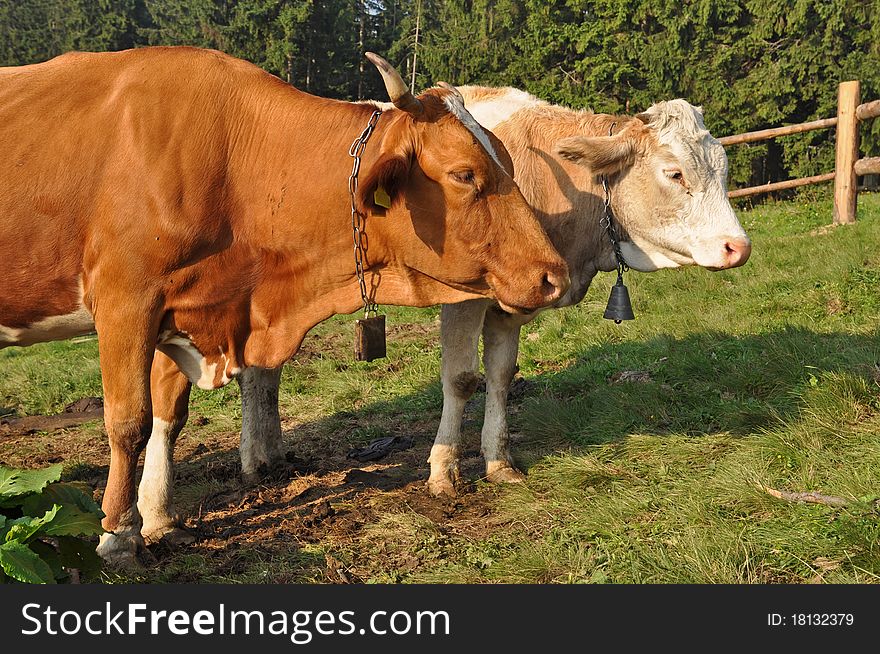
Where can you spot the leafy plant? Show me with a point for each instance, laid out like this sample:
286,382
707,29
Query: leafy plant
42,522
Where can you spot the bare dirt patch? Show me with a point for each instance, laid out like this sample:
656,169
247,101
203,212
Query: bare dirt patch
316,502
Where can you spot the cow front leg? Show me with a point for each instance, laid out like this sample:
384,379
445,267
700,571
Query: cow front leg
460,326
125,345
261,446
500,349
169,389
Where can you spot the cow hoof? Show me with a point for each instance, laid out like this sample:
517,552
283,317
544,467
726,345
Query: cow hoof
124,562
251,478
276,468
441,488
120,552
172,536
506,475
445,471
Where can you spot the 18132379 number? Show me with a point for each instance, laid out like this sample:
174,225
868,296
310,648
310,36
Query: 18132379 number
822,619
811,620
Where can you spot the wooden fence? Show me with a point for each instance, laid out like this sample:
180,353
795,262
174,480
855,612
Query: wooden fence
847,166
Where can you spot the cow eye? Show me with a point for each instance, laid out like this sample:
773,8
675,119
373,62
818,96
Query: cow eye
675,175
463,176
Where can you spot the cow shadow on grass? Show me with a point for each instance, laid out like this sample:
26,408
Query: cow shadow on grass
701,384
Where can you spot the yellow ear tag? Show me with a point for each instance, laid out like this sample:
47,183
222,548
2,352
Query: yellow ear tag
381,197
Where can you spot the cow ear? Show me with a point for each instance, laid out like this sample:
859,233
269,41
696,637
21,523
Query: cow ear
379,188
604,155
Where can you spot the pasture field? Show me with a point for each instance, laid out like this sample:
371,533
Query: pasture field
651,447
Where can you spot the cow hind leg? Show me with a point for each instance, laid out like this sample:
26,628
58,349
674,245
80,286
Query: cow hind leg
170,390
460,326
262,447
500,349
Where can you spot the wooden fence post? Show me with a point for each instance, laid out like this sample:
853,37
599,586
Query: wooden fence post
845,193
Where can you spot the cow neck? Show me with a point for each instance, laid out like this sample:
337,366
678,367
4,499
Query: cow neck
290,216
302,215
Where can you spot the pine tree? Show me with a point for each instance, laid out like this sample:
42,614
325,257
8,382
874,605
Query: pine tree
751,63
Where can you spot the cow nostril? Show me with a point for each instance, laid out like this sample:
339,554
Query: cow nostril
547,287
737,251
553,285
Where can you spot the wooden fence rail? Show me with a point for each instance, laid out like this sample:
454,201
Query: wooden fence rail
780,186
764,134
847,166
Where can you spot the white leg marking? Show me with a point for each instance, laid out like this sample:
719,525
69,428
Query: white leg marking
156,487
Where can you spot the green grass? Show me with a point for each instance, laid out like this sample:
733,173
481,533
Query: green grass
767,376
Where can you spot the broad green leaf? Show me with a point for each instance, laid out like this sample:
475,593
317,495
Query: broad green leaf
78,553
63,493
23,529
50,555
71,521
21,563
23,482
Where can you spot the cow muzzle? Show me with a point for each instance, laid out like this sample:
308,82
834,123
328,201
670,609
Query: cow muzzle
527,293
735,251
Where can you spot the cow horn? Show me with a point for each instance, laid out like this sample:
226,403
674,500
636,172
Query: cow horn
451,89
397,90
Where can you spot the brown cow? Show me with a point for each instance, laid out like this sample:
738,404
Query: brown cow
181,199
667,179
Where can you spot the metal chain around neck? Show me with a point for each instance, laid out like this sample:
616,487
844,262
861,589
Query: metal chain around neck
607,222
358,220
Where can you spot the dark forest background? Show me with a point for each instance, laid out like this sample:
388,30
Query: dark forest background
751,63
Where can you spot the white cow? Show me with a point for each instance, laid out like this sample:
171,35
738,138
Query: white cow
667,183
